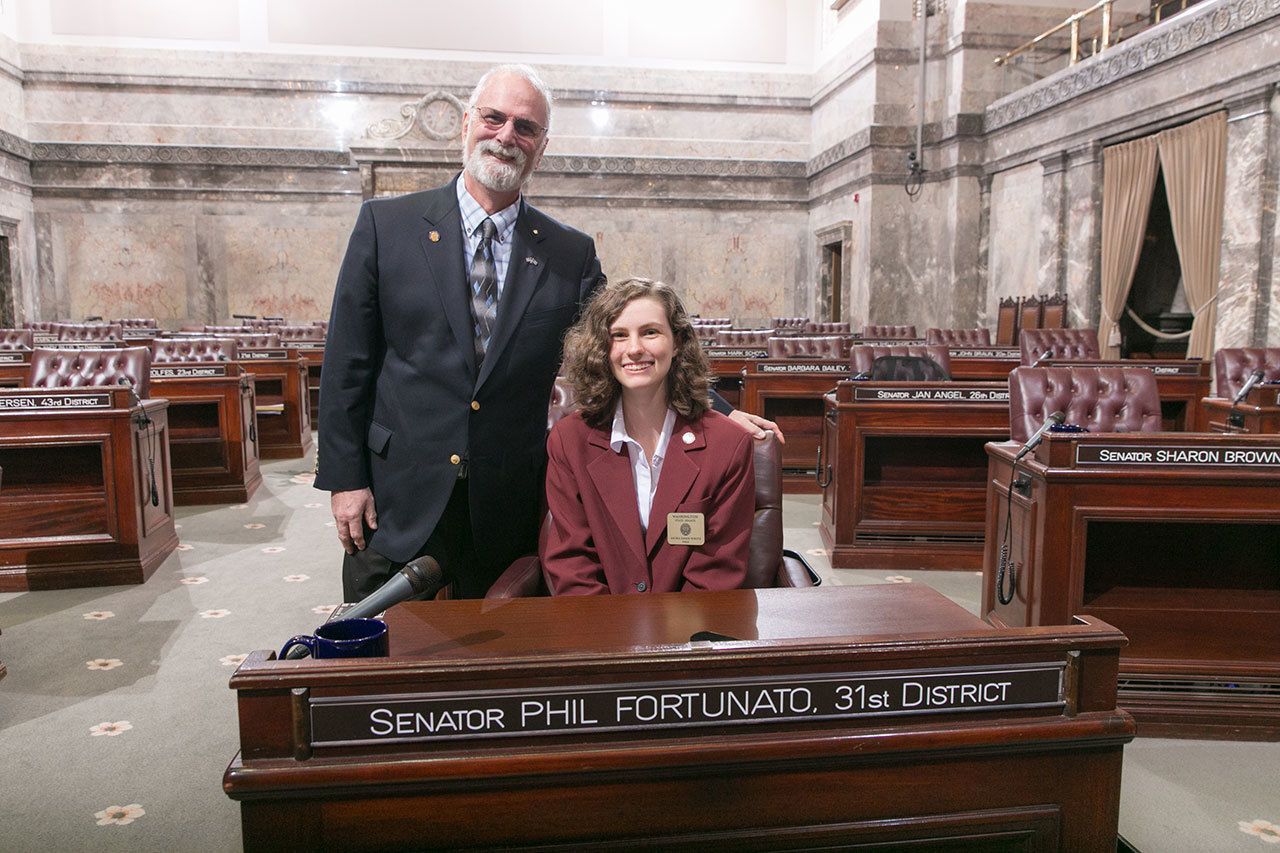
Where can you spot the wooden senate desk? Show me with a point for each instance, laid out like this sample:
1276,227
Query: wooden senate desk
878,715
1257,413
788,391
1174,538
213,432
15,366
312,352
904,472
727,363
284,413
984,364
76,507
1181,383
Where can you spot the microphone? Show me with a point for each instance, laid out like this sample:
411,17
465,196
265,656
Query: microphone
1033,442
1254,379
418,578
1044,356
861,374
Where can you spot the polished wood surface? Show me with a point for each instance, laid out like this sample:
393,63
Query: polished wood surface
984,364
1258,413
904,483
284,412
1181,384
727,364
1036,777
15,367
213,433
1181,557
75,507
794,402
312,352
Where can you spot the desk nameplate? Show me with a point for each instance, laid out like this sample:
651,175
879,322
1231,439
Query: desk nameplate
262,355
838,367
998,353
1243,457
1176,369
348,721
14,357
930,395
37,402
188,372
736,352
82,345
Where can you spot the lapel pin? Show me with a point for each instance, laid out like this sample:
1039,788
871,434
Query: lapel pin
531,261
434,236
687,438
535,232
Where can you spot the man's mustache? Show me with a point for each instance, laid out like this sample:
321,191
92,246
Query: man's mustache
512,152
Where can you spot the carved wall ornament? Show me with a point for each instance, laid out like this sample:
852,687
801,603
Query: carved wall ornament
437,113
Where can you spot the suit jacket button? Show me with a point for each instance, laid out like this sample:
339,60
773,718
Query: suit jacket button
475,405
455,459
641,587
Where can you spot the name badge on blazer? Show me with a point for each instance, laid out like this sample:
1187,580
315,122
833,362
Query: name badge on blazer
686,528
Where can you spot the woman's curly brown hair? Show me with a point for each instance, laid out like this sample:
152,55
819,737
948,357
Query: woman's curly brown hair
586,353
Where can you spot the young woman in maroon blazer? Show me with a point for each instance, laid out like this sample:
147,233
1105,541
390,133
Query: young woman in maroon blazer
649,490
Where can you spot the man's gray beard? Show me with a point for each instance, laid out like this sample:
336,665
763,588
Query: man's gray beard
499,177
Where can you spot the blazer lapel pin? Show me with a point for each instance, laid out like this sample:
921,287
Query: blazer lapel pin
434,236
531,261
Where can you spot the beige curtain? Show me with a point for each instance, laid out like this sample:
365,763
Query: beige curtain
1128,180
1194,158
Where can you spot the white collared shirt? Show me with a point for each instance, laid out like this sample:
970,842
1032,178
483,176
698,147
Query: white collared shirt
504,221
644,472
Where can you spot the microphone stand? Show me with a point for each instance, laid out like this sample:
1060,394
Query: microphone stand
1007,565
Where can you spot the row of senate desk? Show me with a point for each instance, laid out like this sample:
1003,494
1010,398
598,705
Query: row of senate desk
875,717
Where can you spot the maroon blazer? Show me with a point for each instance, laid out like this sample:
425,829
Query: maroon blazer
595,545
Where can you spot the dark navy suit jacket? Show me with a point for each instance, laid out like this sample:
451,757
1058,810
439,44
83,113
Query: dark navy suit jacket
400,392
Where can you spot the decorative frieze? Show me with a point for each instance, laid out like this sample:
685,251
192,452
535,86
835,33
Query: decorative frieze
187,155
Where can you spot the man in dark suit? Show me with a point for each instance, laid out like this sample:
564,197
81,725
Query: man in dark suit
443,344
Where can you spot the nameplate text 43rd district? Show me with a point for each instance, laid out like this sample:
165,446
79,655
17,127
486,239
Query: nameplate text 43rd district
644,707
55,401
932,395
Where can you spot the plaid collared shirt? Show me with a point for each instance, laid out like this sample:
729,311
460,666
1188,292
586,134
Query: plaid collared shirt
504,220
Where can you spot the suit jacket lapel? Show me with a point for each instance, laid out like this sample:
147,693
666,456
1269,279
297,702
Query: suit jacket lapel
611,473
446,267
679,470
527,268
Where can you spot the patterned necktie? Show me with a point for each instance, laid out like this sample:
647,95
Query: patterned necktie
484,289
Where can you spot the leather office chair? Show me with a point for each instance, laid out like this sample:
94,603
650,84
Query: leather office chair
768,565
253,340
193,349
14,339
38,326
1232,366
562,402
1100,399
790,324
723,322
88,331
828,327
1066,344
743,337
829,346
864,357
138,323
54,368
298,333
958,337
907,368
229,330
882,332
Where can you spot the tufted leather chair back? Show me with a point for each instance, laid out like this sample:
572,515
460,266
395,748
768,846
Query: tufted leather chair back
227,330
39,326
1232,366
138,323
830,346
1100,399
711,321
263,324
53,368
88,331
958,337
562,402
254,340
298,333
790,323
743,337
193,349
863,357
1067,344
828,327
11,339
889,333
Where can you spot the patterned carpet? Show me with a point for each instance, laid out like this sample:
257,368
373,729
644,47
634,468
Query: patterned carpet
116,722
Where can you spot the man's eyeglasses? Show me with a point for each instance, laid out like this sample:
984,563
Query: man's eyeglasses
496,119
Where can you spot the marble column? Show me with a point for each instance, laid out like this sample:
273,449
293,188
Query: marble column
982,285
1053,225
1082,273
1244,272
1269,274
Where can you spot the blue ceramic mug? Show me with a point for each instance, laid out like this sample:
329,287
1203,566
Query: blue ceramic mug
344,638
